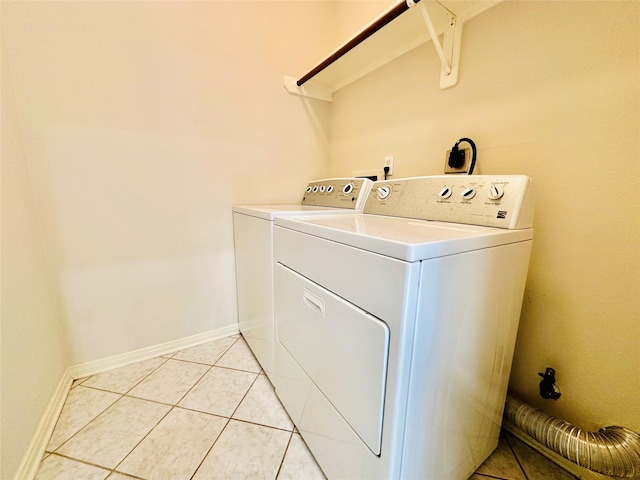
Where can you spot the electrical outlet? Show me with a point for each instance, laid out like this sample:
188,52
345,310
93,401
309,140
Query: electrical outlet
465,162
388,162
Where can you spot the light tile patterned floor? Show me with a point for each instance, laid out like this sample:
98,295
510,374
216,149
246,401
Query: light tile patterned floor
207,412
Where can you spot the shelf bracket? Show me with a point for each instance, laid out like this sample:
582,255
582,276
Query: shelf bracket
309,90
449,50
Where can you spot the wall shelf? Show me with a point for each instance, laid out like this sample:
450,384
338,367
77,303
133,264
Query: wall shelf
401,28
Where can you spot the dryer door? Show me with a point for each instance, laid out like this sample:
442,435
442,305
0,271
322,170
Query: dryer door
341,348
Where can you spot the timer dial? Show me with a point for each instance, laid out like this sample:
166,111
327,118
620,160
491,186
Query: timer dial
495,192
383,192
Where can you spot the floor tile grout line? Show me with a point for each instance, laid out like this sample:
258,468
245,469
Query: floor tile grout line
85,462
263,425
205,373
284,455
174,405
128,395
144,437
226,424
84,426
209,450
204,363
244,396
121,395
149,374
107,408
488,475
238,369
515,455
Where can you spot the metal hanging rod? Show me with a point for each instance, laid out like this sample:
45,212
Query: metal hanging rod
386,18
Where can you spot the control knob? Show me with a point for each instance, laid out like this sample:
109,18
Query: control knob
468,193
322,188
383,192
309,189
315,188
348,188
445,193
495,192
330,189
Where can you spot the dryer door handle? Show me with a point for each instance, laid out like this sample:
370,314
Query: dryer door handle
313,302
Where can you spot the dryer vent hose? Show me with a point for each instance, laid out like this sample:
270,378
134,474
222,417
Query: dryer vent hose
613,451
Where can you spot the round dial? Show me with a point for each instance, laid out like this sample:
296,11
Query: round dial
309,189
495,192
445,192
315,188
383,192
330,189
348,188
468,193
322,188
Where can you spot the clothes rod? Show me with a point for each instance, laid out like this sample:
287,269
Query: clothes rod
386,18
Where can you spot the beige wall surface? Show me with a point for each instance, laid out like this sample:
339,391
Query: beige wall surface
144,122
135,127
34,350
550,90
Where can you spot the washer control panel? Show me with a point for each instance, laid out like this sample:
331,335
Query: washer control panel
338,192
503,201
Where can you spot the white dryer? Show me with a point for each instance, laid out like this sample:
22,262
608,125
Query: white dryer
396,327
253,242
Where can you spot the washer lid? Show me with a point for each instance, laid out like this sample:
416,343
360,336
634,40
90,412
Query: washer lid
270,212
403,238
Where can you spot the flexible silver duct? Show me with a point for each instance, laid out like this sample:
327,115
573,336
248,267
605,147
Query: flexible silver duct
613,451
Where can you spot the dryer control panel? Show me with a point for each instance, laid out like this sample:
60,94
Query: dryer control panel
338,192
503,201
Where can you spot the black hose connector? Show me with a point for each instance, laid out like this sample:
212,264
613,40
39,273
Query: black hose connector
548,387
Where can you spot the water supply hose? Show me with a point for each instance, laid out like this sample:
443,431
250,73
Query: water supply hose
613,451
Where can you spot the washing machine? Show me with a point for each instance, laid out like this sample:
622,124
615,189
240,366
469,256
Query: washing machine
395,327
253,243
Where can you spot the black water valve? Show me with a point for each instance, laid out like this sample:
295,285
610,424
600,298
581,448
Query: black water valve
548,387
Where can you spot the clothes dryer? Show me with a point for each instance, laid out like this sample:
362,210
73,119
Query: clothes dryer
395,327
253,243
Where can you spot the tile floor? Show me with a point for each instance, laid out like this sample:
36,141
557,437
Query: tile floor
207,412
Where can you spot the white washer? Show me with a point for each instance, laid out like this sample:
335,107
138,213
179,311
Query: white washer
253,242
396,327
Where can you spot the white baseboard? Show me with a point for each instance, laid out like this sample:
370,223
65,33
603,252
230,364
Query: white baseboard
32,457
31,460
104,364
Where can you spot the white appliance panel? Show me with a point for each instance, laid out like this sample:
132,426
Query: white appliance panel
253,240
373,292
502,201
340,346
449,295
270,212
402,238
469,305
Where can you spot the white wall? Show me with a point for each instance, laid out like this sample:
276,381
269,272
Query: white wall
143,123
135,127
34,351
551,90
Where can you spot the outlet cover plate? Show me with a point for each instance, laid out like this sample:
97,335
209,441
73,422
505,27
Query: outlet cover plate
464,168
